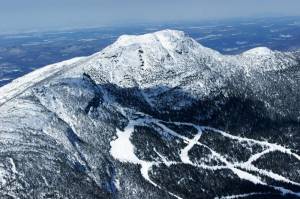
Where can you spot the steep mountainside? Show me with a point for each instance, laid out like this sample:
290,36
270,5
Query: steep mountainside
154,116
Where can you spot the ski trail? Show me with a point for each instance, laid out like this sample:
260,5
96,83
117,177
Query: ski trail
255,157
269,174
286,191
171,132
123,150
184,156
271,146
242,174
247,165
241,195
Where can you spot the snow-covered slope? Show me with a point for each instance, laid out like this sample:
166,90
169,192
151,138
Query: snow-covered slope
141,119
166,59
19,85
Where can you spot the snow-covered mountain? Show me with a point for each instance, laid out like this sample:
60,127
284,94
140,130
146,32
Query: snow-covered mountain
154,116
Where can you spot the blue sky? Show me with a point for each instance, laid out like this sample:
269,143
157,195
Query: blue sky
21,15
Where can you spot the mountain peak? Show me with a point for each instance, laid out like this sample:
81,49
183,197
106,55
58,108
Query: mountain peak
149,113
167,34
157,58
259,51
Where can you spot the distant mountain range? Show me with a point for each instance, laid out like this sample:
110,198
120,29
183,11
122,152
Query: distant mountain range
154,116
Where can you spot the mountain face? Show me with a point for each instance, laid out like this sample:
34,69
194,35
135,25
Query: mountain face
154,116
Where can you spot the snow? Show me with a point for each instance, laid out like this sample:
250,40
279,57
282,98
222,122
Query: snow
13,166
259,51
184,152
246,176
286,191
19,85
3,175
171,60
123,150
240,196
164,36
164,160
45,181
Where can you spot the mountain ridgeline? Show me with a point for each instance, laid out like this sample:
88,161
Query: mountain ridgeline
154,116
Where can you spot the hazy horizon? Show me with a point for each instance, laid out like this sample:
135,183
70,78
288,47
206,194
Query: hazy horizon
16,16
